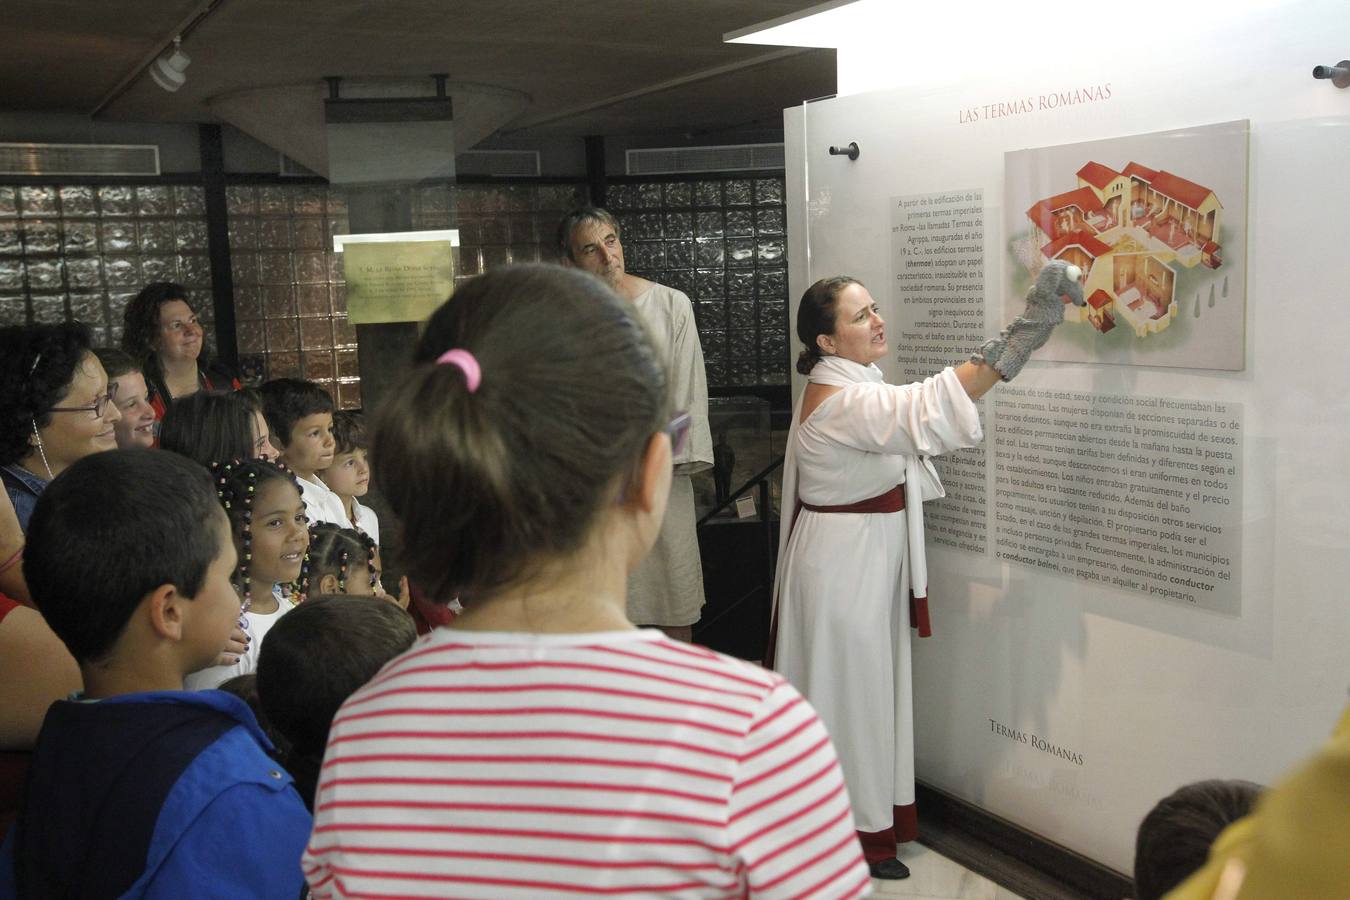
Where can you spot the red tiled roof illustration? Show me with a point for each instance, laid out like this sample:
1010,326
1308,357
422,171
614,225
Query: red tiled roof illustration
1089,244
1098,175
1042,213
1178,188
1134,170
1099,299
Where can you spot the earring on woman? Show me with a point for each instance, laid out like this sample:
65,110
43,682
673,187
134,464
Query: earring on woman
42,451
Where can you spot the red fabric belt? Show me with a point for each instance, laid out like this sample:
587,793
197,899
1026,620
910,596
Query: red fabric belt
889,502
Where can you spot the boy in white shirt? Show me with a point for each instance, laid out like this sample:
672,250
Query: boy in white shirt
300,416
348,476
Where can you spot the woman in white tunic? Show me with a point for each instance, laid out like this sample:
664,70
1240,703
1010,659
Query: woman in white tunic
851,575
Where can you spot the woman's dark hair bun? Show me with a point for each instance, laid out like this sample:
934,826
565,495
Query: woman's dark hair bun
807,359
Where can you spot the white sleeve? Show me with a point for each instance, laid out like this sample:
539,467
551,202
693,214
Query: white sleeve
689,385
926,418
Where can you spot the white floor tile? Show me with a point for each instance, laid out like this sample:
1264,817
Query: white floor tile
934,877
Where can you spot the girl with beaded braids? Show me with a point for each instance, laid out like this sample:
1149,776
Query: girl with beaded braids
343,561
271,535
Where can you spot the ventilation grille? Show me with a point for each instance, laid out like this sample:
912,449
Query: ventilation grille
682,160
79,159
502,163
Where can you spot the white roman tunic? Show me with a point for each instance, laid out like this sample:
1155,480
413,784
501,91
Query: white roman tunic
666,588
844,579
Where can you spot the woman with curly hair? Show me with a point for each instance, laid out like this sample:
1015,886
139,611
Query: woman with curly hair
161,332
56,408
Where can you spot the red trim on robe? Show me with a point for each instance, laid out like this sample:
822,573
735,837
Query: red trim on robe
918,615
878,846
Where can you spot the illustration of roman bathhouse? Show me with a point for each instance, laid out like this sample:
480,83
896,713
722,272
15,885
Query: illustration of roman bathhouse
1127,230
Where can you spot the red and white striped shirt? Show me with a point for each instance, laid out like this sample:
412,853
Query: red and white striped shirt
615,764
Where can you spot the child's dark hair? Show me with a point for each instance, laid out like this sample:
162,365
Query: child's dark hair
489,482
1175,837
245,687
109,530
314,658
334,549
116,363
237,483
349,431
815,316
286,401
208,427
37,365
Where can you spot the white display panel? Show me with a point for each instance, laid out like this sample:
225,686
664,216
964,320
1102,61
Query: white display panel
1065,703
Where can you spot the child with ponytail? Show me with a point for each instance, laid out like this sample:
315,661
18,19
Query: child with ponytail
271,534
528,455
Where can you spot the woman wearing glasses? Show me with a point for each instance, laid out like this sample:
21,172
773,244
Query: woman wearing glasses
56,407
162,333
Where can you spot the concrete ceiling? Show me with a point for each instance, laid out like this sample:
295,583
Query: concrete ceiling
619,67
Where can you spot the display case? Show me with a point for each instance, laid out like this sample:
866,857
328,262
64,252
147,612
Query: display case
742,446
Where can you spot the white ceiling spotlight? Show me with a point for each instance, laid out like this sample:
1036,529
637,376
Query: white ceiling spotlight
168,68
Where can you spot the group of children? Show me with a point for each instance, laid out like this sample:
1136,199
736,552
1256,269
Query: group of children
138,787
542,746
169,569
297,519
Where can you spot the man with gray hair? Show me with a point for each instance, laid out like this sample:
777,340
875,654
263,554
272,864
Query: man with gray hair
666,589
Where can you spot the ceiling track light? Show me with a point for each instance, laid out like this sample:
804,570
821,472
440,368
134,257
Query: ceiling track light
169,67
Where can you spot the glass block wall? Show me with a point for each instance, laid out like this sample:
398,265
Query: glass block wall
499,225
289,292
82,251
723,242
289,297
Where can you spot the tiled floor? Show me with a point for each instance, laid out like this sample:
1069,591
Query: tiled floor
934,877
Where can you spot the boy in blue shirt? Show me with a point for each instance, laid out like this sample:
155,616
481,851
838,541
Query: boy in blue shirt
138,788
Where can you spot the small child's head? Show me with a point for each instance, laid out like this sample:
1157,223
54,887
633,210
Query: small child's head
1175,837
314,658
349,473
126,384
262,434
300,417
534,439
208,428
267,519
342,560
129,555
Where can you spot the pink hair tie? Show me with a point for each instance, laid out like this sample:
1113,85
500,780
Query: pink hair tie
464,361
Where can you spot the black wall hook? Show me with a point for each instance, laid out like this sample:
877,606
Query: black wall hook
1338,74
851,151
